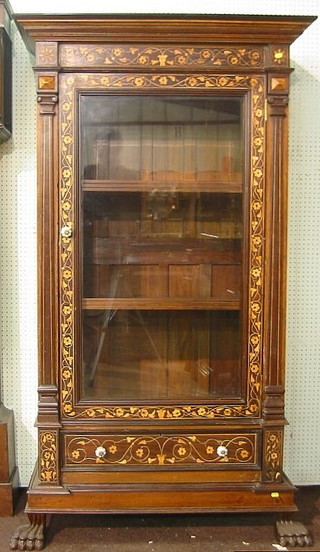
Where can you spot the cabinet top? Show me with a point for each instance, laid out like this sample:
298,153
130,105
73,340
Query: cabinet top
152,28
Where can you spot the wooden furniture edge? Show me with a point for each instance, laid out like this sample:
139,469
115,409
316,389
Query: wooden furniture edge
154,28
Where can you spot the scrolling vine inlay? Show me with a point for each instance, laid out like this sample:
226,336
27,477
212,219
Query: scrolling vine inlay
48,456
273,455
161,449
174,57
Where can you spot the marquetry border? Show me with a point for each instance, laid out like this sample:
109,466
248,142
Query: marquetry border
255,85
273,454
161,450
140,56
48,447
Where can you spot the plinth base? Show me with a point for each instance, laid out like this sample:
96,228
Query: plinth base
9,478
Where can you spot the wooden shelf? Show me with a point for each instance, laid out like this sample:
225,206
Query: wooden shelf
183,251
163,303
152,185
220,106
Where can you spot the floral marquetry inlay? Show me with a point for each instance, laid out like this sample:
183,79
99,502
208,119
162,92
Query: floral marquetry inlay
47,54
48,457
153,56
280,55
254,85
273,455
160,449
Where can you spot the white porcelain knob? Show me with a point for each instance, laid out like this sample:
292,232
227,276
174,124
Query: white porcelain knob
222,451
100,452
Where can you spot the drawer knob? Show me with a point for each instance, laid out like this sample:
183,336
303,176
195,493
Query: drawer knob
100,452
222,451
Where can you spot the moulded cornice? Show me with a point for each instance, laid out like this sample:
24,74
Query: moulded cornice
244,29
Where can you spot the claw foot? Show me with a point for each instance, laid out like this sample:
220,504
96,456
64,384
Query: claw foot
31,536
292,533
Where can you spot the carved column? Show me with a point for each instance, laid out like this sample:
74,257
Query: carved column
275,266
276,219
48,415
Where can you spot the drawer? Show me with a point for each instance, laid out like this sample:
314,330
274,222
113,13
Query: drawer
166,450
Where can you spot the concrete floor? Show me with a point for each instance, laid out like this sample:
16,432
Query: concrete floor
158,533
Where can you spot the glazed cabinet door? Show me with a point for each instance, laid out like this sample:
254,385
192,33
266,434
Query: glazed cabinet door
161,247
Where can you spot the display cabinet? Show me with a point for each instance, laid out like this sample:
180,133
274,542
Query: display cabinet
162,220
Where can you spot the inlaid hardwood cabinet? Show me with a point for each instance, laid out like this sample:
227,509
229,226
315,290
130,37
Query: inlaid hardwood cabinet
162,219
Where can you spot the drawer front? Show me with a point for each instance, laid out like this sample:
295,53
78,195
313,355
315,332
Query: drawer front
207,450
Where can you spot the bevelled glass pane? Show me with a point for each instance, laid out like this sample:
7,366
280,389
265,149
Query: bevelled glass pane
161,139
162,247
162,244
148,354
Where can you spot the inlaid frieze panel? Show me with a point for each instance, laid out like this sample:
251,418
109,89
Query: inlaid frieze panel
174,57
163,450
